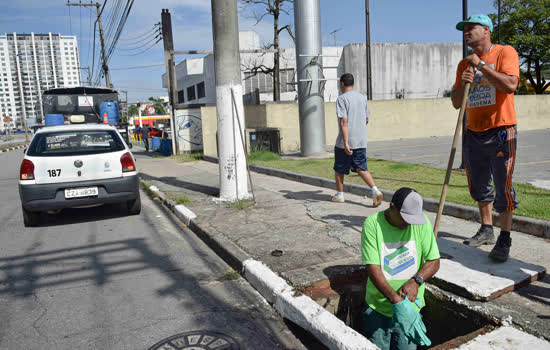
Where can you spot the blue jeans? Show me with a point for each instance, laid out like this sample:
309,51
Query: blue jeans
381,331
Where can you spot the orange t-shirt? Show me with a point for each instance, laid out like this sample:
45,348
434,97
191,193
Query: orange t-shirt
488,107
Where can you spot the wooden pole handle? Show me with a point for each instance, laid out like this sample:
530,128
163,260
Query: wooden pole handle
451,158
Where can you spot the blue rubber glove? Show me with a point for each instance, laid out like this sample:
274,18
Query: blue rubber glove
406,316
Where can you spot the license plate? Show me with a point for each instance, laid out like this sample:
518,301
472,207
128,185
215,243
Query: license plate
81,192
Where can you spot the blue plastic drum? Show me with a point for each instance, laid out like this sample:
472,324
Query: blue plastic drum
53,119
110,110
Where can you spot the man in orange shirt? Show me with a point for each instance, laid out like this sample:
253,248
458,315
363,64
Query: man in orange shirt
490,135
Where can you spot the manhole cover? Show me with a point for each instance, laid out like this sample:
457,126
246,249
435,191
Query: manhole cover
197,340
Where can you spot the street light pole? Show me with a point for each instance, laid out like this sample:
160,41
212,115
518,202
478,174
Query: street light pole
22,96
369,71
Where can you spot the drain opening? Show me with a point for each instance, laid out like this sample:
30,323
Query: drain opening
197,340
449,324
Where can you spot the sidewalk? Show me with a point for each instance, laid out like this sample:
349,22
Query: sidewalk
320,241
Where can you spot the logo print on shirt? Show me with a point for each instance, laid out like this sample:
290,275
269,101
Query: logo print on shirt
398,261
482,92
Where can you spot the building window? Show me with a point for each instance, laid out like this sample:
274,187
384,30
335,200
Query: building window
181,96
191,93
200,90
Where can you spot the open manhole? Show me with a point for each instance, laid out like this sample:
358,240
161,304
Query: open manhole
197,340
449,324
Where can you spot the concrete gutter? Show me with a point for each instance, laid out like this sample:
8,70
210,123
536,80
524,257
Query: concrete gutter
300,309
535,227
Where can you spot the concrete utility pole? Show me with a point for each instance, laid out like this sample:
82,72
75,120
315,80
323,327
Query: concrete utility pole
104,55
309,66
229,102
170,64
464,54
20,81
369,64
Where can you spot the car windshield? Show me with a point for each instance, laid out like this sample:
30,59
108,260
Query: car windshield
76,142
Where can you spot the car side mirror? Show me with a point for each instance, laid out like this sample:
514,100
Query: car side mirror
130,146
24,150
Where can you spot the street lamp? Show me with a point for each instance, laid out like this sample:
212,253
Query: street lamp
22,95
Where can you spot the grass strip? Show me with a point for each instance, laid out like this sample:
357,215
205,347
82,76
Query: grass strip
425,180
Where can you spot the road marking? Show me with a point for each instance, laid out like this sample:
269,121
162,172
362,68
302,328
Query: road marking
424,156
446,153
530,163
412,146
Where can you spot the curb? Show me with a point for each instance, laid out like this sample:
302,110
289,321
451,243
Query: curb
535,227
12,148
301,310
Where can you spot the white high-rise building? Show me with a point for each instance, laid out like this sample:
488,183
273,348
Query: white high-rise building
30,64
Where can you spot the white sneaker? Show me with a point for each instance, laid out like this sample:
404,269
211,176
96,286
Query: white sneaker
337,199
377,199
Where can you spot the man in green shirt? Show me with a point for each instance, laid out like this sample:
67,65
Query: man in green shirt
400,251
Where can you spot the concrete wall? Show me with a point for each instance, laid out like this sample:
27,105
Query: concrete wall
390,120
406,70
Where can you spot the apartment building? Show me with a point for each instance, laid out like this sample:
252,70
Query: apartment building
30,64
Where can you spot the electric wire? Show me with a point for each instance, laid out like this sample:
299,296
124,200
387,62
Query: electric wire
89,45
147,49
139,67
141,36
150,40
79,40
152,32
70,21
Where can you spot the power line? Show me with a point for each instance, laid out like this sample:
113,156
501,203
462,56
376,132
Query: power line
149,34
140,89
139,67
70,22
89,41
140,36
151,39
147,49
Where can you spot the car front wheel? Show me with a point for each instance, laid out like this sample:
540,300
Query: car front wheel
134,206
30,218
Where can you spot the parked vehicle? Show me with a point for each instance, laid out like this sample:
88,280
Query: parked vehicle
71,166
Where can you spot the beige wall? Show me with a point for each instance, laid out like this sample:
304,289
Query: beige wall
390,120
209,129
533,112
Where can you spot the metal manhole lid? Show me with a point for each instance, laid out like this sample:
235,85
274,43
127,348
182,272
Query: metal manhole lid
197,340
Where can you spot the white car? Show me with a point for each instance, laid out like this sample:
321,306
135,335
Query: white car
70,166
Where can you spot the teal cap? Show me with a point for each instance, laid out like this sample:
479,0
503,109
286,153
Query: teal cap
484,20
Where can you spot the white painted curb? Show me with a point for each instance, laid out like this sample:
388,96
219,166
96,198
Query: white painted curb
184,214
302,310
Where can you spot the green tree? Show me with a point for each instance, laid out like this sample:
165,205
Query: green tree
157,104
525,25
132,110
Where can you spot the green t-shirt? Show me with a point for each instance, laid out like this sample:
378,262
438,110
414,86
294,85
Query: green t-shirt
400,254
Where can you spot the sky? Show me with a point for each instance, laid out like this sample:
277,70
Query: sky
393,21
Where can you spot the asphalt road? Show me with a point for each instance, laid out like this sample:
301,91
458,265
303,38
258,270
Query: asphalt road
97,279
532,160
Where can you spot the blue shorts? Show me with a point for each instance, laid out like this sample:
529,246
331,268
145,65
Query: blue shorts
343,163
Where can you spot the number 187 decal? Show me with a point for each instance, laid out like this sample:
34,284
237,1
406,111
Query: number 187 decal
54,172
